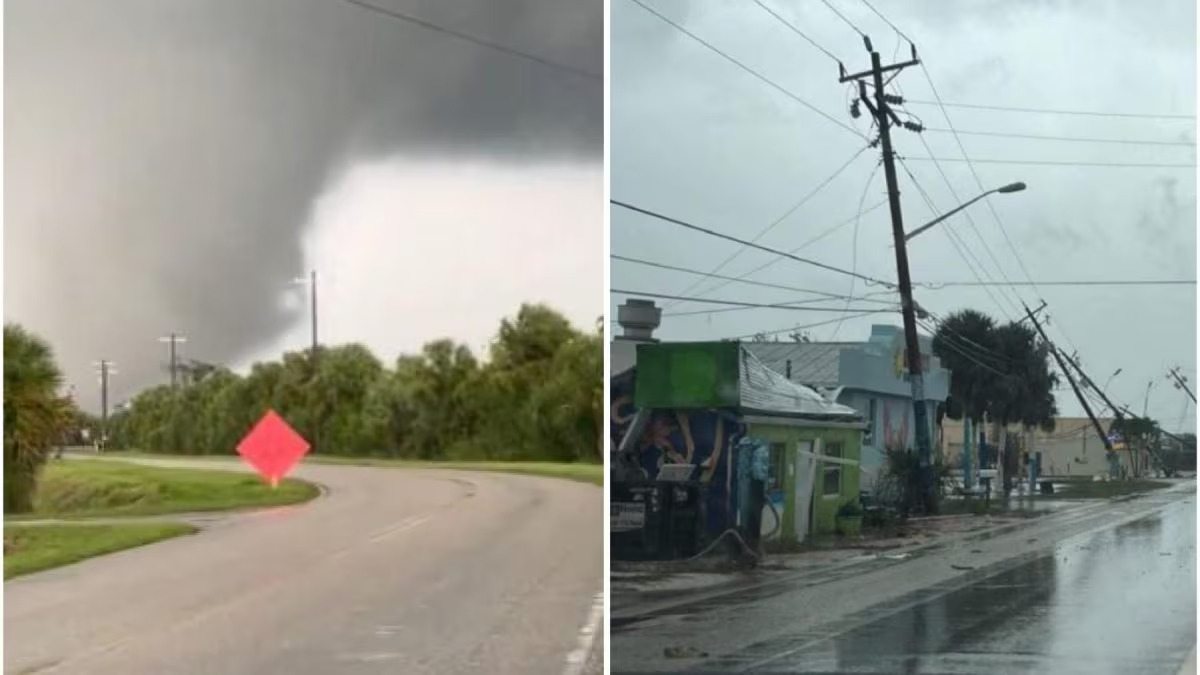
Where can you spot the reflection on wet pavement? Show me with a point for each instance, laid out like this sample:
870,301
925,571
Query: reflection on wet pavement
1120,600
1123,601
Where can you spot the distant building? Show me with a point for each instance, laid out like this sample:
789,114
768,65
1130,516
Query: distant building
871,377
1074,448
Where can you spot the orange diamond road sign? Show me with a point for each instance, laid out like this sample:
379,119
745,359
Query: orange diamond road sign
272,448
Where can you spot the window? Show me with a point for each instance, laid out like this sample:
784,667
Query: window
778,457
832,483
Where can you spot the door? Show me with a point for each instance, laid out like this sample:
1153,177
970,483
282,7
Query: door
806,470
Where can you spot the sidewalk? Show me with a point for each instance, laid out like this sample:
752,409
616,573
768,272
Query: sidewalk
638,587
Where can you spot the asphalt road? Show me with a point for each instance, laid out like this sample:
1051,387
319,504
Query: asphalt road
392,571
1105,589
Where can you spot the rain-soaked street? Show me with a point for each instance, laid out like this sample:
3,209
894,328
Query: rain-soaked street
1097,588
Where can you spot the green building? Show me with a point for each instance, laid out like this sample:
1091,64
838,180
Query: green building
705,397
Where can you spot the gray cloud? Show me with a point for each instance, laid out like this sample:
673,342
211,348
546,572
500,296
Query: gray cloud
701,140
163,156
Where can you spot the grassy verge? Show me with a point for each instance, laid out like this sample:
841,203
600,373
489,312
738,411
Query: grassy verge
31,549
89,489
584,473
576,471
1087,489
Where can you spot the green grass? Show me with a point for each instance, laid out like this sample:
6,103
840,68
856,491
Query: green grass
576,471
1086,489
83,489
584,473
30,549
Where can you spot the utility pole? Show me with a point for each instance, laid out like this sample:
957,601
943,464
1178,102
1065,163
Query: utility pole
173,340
1108,449
884,118
106,369
1181,382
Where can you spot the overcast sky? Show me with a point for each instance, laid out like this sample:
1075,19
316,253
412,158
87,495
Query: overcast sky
172,165
697,138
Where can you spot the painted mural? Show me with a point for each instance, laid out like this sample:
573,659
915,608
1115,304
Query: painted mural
704,437
895,425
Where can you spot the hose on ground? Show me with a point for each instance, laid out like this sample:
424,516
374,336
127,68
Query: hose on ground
736,535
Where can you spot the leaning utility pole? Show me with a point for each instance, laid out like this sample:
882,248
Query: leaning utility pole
173,340
1181,382
1108,449
884,118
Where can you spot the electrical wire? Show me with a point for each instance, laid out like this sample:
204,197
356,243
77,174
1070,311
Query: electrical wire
804,326
889,23
843,18
709,312
749,70
775,223
799,248
734,303
939,285
1074,139
854,245
719,235
966,214
961,248
1049,111
751,282
1049,162
797,31
396,14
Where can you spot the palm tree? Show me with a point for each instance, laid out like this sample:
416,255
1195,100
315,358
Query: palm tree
35,416
965,344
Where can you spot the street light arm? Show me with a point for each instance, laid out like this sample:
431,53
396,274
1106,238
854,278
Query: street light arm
946,215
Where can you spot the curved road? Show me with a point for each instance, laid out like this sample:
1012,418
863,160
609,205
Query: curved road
393,571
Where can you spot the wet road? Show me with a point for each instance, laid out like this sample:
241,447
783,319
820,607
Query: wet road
393,571
1113,592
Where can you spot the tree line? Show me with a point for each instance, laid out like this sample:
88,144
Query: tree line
537,396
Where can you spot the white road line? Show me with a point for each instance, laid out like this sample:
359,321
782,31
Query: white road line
577,660
406,524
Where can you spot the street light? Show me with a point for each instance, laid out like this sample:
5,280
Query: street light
1110,379
1011,187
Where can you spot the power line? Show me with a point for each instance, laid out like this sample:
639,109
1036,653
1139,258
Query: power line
797,303
843,18
750,70
1049,111
938,285
751,282
766,230
1073,139
970,221
960,247
801,247
796,30
802,327
814,263
735,303
979,183
854,242
1035,162
396,14
889,23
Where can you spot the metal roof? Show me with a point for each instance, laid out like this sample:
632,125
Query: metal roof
813,363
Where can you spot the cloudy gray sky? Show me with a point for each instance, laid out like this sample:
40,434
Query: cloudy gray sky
697,138
173,164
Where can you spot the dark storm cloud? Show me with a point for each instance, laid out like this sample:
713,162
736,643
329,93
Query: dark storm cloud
163,156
